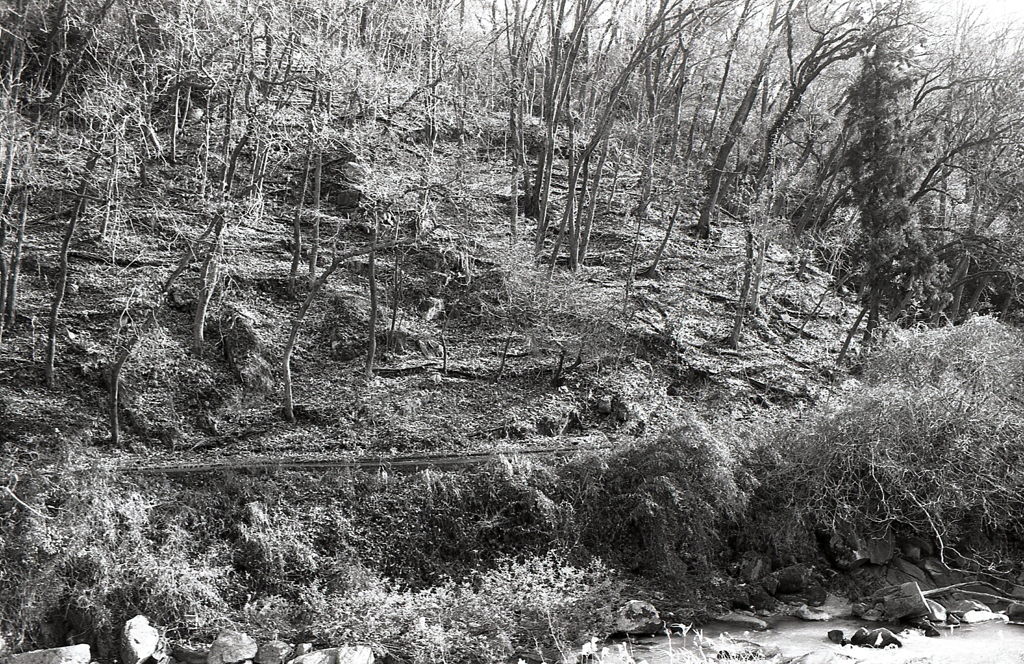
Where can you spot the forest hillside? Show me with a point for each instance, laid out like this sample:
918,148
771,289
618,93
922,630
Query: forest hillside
326,318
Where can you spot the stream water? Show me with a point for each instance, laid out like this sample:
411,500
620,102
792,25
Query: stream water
985,643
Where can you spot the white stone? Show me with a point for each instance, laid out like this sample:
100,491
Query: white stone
972,617
139,640
79,654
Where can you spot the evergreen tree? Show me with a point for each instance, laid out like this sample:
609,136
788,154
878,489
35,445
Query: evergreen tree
892,257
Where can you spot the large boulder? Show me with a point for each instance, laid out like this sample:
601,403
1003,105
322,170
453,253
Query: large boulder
972,617
804,612
936,612
1015,612
274,652
958,606
743,619
139,641
79,654
637,617
355,655
902,601
231,647
797,584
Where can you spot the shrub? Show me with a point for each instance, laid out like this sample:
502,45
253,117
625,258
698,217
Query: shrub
540,603
931,444
661,506
99,550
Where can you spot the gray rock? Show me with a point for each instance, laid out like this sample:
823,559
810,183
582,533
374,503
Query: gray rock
875,638
728,648
960,606
743,619
936,612
635,617
604,405
231,647
343,655
804,612
912,570
355,172
1015,612
79,654
274,652
187,656
821,657
754,567
139,641
328,656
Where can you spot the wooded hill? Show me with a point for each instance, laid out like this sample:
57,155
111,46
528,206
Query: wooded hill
329,231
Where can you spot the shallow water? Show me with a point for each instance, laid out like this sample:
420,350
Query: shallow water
985,643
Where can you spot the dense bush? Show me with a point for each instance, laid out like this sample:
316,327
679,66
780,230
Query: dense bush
931,443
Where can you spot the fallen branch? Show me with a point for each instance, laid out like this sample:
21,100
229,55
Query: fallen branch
25,505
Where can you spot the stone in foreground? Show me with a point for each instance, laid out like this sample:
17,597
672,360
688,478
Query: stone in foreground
274,652
231,647
139,641
636,617
745,620
79,654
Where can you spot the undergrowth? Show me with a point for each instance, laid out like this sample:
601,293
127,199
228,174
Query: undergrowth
454,566
931,443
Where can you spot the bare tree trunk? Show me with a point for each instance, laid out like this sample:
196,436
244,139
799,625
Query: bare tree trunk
725,72
513,206
111,188
958,277
314,245
293,273
588,225
504,357
651,272
739,119
10,310
174,127
62,277
314,290
849,337
208,277
741,305
3,271
205,165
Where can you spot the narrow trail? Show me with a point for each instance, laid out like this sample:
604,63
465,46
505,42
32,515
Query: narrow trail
410,463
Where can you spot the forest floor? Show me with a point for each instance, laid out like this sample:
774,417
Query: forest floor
656,347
